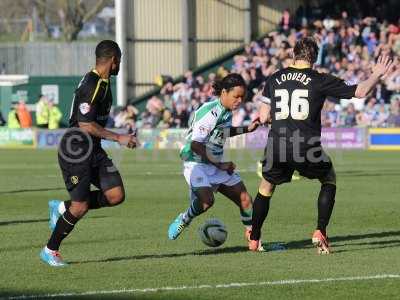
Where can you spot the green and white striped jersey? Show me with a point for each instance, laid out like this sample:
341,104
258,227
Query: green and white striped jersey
207,126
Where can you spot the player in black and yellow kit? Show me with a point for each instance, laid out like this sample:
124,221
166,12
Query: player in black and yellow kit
296,95
82,160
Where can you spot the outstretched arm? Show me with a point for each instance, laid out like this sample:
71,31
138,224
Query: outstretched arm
96,130
265,113
244,129
381,68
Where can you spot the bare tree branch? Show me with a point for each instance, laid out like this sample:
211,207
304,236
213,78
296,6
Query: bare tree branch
94,11
42,12
70,15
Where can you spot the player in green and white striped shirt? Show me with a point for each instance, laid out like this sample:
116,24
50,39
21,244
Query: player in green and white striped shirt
202,155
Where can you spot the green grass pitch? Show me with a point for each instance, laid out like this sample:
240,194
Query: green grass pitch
124,253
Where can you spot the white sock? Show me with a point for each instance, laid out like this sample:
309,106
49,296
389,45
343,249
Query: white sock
61,208
47,250
186,218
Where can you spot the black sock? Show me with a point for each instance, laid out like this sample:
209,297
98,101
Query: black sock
260,212
326,201
64,226
97,199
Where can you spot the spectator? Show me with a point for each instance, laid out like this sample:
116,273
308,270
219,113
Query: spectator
42,112
55,116
181,117
332,115
189,79
393,81
345,21
154,105
370,113
361,119
12,120
394,116
371,42
24,116
286,22
349,116
167,89
382,117
126,118
167,120
329,23
147,120
348,47
120,118
131,119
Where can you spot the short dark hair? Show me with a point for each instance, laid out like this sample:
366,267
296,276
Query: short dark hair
228,83
306,49
107,49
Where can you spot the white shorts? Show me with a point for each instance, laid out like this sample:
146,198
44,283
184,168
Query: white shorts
206,175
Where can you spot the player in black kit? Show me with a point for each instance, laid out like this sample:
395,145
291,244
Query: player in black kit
296,95
82,160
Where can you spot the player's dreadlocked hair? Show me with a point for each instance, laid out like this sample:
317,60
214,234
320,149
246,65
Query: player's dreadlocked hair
107,49
306,49
228,83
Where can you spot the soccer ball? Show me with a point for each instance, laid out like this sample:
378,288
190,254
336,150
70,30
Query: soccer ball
213,233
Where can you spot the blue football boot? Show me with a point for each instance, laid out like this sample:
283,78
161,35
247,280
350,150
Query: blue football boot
52,258
176,227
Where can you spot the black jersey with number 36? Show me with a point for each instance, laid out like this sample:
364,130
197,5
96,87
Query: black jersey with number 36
296,97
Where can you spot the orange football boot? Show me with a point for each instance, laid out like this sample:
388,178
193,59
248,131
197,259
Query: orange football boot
321,242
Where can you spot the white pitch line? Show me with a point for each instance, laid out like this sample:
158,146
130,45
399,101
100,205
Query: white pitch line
205,286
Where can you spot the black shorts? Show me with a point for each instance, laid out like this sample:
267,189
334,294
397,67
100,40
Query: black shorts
97,169
277,170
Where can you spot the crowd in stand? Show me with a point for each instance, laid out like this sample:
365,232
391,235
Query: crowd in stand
348,48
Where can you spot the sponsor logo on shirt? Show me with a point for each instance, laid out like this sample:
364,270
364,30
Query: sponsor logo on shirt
204,130
84,108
